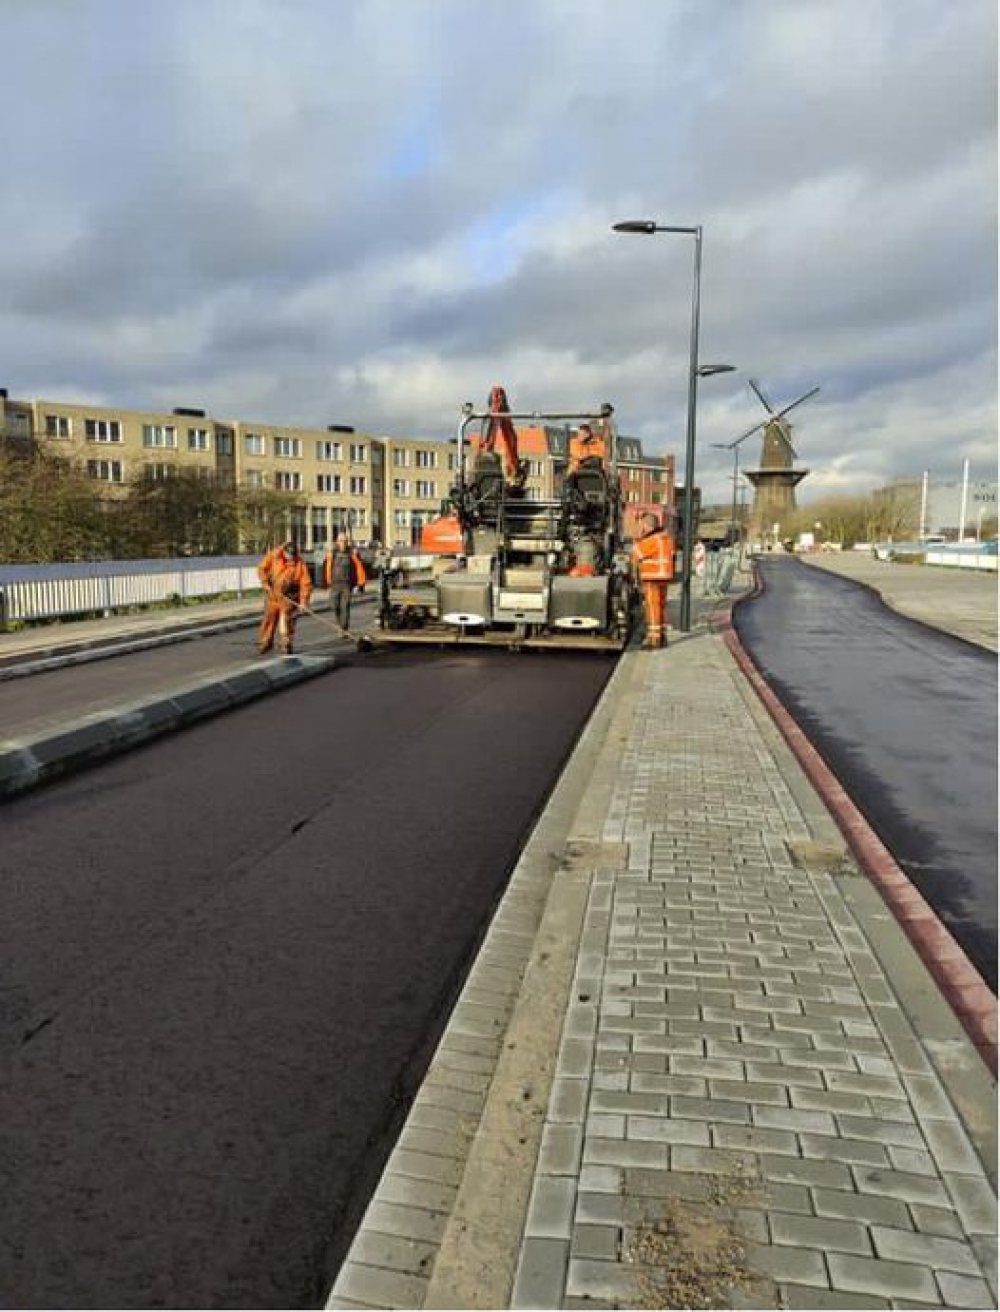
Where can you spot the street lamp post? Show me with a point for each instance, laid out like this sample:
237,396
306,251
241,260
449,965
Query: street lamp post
648,227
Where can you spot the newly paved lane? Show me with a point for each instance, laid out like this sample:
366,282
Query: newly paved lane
225,958
907,719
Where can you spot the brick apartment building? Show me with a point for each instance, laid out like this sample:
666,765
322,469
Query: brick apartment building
377,487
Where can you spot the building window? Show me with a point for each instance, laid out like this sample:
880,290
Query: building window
400,487
328,483
158,472
159,435
289,447
535,468
255,444
285,481
329,451
358,486
102,430
426,488
402,518
357,518
198,439
106,471
319,528
452,460
223,442
58,426
426,459
400,457
359,453
254,478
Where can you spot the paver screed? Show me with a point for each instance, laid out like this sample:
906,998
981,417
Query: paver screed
742,1114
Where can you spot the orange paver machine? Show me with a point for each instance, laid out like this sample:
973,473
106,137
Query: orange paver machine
506,568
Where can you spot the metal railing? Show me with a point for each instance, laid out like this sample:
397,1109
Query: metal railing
38,592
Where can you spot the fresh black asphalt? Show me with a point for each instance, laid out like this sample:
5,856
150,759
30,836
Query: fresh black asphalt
906,717
224,962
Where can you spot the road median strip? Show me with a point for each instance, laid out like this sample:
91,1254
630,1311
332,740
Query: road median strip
29,761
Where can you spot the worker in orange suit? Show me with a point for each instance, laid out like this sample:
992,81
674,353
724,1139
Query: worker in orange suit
284,576
653,554
502,429
585,444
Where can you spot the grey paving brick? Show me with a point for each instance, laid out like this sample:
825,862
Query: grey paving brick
711,1109
861,1207
950,1147
711,1068
986,1251
974,1201
607,1282
623,1152
601,1179
794,1119
879,1131
900,1184
408,1192
929,1098
646,1082
750,1090
928,1250
777,1073
393,1252
824,1175
406,1222
824,1100
575,1059
651,1104
424,1166
560,1151
886,1279
912,1159
963,1291
605,1125
541,1274
883,1086
640,1182
802,1296
831,1149
935,1221
568,1099
820,1232
437,1143
440,1095
379,1288
805,1266
713,1161
550,1210
754,1140
597,1241
668,1130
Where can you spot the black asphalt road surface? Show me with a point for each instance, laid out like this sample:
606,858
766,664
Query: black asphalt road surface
225,960
906,717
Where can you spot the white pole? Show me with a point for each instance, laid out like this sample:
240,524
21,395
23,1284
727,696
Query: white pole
979,524
923,505
965,495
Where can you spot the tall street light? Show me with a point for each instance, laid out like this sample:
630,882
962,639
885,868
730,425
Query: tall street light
647,227
735,448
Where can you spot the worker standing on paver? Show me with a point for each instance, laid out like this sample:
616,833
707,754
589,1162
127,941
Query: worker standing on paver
284,576
343,571
653,554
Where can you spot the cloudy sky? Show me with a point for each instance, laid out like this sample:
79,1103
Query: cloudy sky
367,211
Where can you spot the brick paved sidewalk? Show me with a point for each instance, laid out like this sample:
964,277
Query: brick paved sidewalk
741,1110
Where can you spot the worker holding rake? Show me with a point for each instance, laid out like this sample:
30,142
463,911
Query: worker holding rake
287,585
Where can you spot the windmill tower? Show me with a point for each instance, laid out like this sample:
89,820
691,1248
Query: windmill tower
776,478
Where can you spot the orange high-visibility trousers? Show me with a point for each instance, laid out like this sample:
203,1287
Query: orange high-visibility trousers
654,594
279,614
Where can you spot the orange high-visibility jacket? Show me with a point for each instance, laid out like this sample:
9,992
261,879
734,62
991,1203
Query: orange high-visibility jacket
285,576
359,575
654,557
580,449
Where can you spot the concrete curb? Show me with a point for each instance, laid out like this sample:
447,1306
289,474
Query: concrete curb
94,738
960,982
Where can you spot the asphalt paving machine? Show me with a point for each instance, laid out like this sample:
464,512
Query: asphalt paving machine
502,568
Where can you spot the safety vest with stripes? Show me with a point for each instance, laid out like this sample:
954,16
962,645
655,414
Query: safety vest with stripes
654,557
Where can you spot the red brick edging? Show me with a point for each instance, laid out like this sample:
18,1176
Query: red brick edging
960,982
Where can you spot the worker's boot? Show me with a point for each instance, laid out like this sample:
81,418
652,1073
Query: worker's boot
286,646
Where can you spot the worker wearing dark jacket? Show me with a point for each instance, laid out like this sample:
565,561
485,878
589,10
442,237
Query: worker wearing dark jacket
287,585
653,555
343,571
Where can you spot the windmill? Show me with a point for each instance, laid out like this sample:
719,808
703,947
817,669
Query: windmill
775,480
